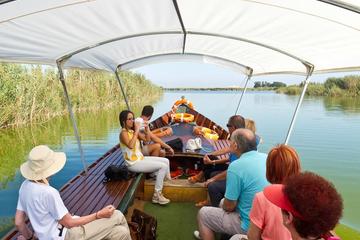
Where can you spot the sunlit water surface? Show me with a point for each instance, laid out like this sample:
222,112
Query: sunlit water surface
326,135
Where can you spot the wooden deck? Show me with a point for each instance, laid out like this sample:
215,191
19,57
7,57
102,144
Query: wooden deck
85,194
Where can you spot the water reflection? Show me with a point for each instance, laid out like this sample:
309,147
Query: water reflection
343,104
325,135
16,143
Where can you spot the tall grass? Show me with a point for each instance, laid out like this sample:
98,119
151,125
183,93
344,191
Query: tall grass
348,86
31,94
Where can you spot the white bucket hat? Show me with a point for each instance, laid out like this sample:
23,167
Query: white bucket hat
42,163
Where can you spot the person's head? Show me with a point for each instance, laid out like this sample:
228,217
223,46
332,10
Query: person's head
310,204
147,111
281,163
42,163
250,124
126,119
243,140
235,122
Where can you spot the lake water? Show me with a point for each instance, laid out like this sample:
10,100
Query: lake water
326,136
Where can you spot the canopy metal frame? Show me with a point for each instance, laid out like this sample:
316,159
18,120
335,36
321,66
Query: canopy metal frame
307,80
122,88
72,117
69,55
243,91
248,69
62,59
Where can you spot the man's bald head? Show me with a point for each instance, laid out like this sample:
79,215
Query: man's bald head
244,139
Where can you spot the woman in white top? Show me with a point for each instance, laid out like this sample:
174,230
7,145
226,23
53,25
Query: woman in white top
130,145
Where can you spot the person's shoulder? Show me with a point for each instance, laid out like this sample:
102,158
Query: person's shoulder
48,189
259,155
260,196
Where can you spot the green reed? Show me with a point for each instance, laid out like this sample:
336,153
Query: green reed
348,86
32,94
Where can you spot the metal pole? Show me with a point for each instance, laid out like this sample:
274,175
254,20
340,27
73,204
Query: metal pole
122,89
62,80
307,80
243,92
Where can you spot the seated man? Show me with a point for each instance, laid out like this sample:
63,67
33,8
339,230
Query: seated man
215,170
48,215
310,205
245,177
153,149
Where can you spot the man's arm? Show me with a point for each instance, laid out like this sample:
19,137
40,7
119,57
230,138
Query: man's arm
69,222
229,205
233,190
217,177
156,139
221,151
20,223
254,232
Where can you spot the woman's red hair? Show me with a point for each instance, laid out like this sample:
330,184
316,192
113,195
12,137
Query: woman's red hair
282,162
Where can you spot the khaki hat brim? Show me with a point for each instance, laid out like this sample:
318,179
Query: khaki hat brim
59,163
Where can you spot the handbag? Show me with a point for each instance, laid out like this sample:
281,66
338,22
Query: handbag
135,232
146,225
116,173
176,144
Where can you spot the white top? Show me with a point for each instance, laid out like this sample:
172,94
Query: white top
141,121
267,36
44,207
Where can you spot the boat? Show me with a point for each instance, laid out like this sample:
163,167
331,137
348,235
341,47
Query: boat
254,38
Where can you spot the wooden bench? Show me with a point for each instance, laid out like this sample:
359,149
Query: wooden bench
85,194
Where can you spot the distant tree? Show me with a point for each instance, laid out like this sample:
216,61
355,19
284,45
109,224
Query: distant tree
257,84
277,84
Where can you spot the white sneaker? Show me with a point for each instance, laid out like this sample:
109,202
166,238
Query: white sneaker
197,234
159,198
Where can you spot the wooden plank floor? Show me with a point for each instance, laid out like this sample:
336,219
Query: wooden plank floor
85,194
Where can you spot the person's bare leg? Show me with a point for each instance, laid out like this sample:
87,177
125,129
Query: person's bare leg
162,153
154,149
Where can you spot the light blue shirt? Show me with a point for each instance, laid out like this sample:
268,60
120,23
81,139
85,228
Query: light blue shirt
244,179
232,157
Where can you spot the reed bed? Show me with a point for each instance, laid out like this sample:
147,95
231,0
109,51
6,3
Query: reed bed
348,86
31,94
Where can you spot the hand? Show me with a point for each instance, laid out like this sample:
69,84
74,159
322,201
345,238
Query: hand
207,160
137,126
210,180
146,125
106,212
170,150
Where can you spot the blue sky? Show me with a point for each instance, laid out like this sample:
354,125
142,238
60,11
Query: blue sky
192,74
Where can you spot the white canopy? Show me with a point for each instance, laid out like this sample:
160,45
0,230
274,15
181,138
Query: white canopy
258,36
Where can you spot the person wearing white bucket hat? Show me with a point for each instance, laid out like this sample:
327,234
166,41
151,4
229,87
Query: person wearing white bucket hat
48,215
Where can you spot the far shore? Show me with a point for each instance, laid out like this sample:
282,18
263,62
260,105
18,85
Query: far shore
219,89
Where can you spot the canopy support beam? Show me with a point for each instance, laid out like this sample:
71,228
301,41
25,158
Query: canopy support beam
241,66
62,80
69,55
181,23
122,88
244,90
310,69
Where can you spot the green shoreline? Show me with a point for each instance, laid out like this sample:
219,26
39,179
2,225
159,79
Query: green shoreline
347,233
